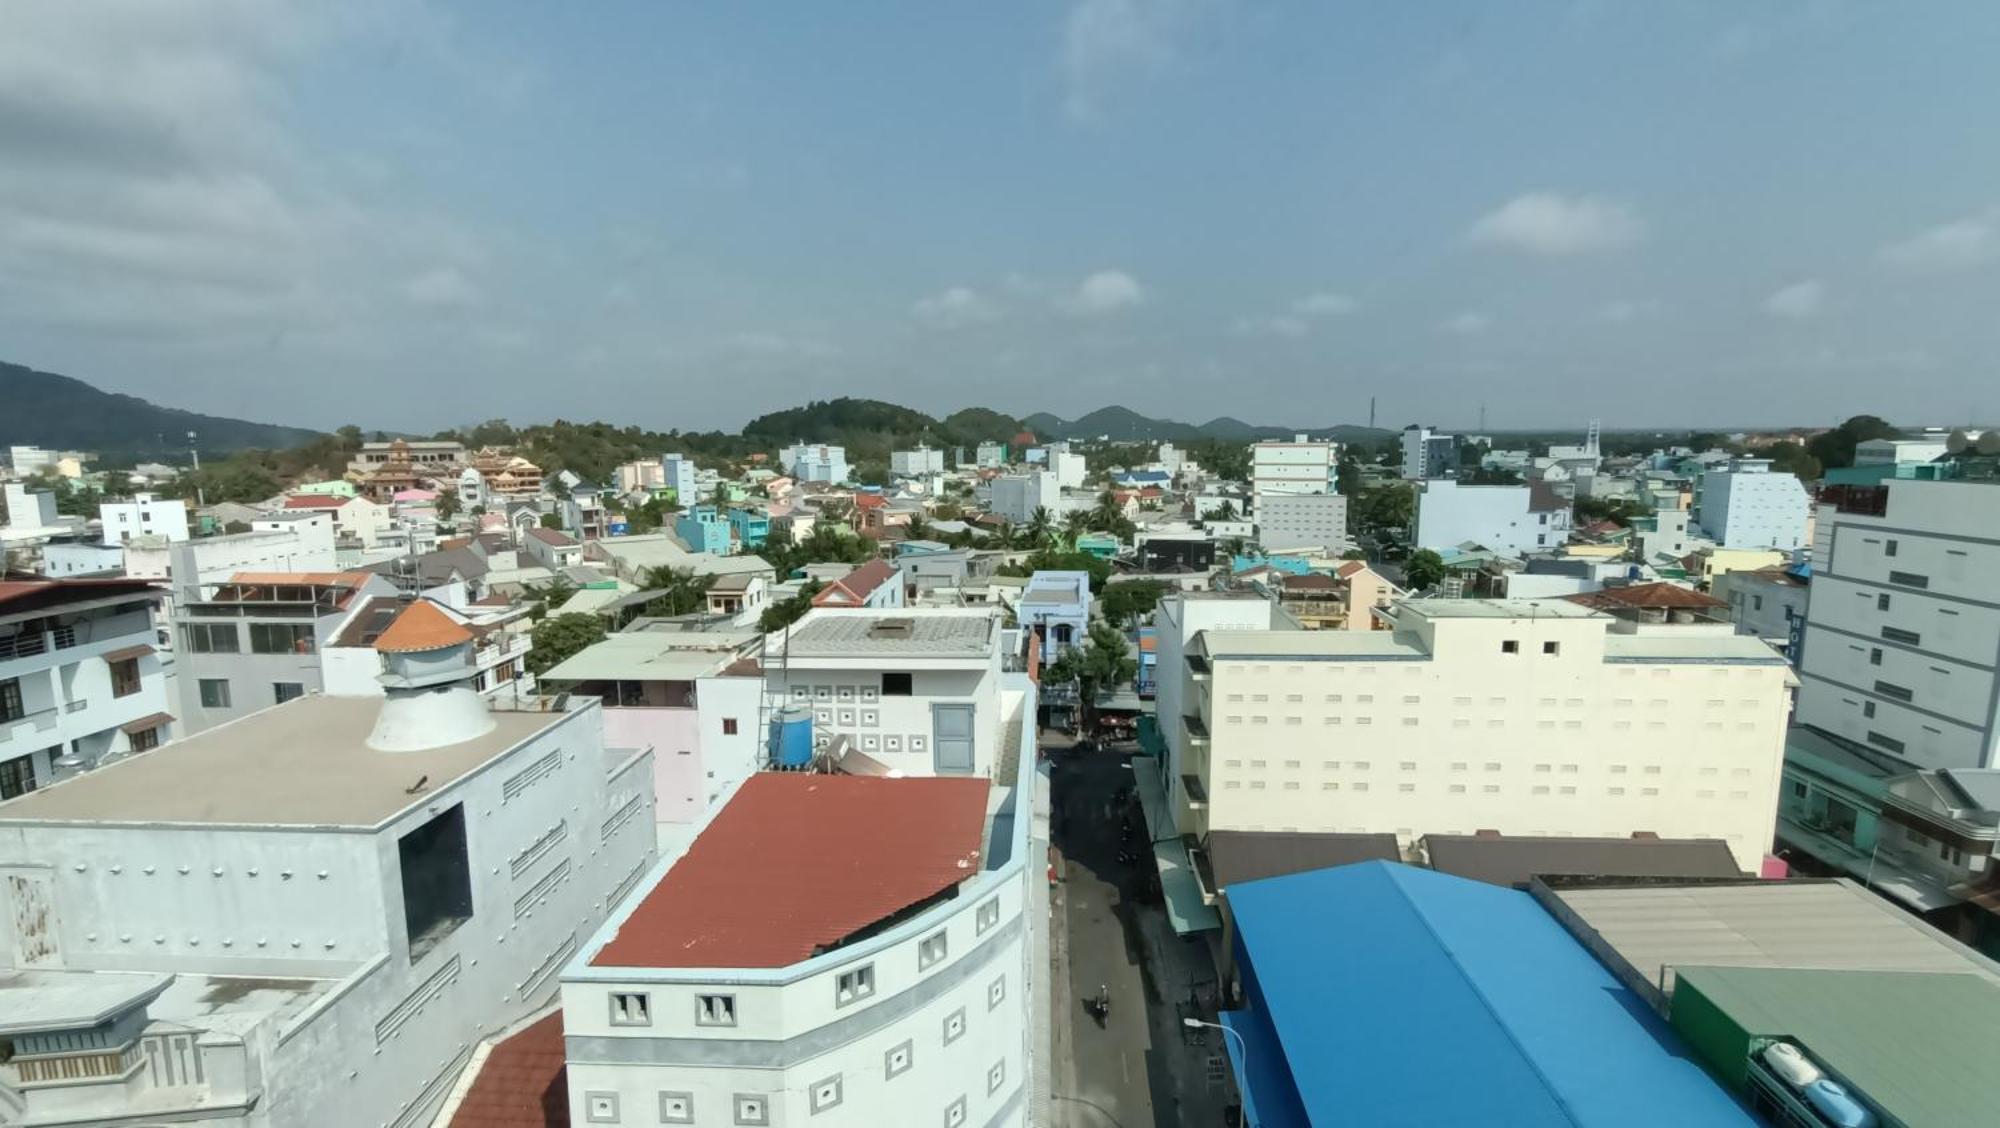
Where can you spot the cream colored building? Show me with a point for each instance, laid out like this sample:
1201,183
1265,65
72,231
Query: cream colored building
1525,717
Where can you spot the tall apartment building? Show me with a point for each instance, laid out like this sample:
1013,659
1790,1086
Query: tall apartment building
1747,506
309,918
1426,454
1512,520
816,462
916,463
990,456
1899,650
144,515
1015,497
678,473
1297,467
1302,521
1524,717
81,681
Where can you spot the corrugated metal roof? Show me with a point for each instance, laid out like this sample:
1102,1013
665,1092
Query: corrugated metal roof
1250,855
1510,860
1918,1047
798,863
1404,997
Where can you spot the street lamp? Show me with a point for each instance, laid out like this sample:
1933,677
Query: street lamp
1241,1045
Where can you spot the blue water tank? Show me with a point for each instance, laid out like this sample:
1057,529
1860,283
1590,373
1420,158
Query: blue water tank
792,737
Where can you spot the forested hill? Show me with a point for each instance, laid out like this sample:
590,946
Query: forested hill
48,410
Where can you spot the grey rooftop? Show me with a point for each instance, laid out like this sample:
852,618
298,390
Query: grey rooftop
845,634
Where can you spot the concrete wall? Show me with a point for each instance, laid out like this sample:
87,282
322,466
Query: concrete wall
1450,514
1753,509
66,692
1301,520
849,701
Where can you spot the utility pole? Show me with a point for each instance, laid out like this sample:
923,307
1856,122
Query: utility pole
200,497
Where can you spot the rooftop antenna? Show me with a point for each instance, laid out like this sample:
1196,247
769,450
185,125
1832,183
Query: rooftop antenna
1482,417
1371,411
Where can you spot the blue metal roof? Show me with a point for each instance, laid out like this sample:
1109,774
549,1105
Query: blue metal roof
1380,994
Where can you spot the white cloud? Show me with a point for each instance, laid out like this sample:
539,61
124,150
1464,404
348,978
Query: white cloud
1466,324
1959,245
1623,310
445,287
1107,291
955,308
1106,43
1549,223
1798,300
1324,305
1273,325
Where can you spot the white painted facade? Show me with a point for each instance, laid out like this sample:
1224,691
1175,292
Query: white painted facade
1302,521
815,462
1296,467
990,455
1748,506
1894,452
144,516
1426,453
1069,467
1501,518
1536,718
65,559
678,473
916,463
944,1037
1015,497
1900,644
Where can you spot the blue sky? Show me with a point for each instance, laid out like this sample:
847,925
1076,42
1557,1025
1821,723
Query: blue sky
682,215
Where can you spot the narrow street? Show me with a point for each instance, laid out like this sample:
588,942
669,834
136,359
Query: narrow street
1133,1067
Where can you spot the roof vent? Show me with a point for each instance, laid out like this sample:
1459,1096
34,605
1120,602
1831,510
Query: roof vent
892,628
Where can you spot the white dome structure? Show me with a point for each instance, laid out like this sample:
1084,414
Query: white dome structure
427,672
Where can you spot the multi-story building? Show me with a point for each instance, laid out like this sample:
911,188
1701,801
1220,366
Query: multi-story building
1016,496
878,584
678,473
815,462
1296,467
552,548
81,681
505,475
432,456
1070,467
990,456
144,515
703,529
640,476
1768,603
1897,452
1511,520
1301,521
916,463
308,918
1525,717
254,640
1899,650
1056,605
749,527
1427,454
1747,506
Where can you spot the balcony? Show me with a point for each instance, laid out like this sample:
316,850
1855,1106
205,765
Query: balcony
1197,791
1195,727
1197,667
41,720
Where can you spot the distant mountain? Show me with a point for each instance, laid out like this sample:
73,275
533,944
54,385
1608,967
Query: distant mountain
1122,424
44,409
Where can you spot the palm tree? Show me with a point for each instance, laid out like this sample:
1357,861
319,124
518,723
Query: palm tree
918,528
1108,512
1076,524
681,591
1040,524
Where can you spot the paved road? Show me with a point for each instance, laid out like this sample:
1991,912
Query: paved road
1134,1069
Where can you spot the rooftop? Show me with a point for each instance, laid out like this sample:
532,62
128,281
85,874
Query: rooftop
522,1083
1661,596
796,864
304,763
903,632
1512,861
652,656
420,626
1326,646
1252,855
1386,994
56,1000
554,537
1692,647
856,586
1496,609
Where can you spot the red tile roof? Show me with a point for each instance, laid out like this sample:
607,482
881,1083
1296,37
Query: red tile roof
853,589
1654,596
1350,568
553,536
315,501
796,863
523,1083
422,626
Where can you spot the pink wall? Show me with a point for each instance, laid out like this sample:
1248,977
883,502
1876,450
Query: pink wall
679,785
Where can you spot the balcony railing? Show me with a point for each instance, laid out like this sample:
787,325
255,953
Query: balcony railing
41,720
23,646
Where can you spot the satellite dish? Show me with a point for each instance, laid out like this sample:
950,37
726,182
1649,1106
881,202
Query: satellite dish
1988,443
1956,442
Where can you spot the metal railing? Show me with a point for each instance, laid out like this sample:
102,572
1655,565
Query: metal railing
42,719
23,646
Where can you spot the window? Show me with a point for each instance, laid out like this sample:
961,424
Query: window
125,677
282,692
1552,648
850,986
1898,634
1510,646
281,638
12,707
954,1026
954,1114
897,685
1868,708
436,880
898,1059
211,638
1909,579
1874,655
17,776
146,739
729,726
631,1008
1881,741
600,1108
1889,547
752,1109
1882,602
677,1108
996,1077
1891,689
931,949
824,1094
715,1010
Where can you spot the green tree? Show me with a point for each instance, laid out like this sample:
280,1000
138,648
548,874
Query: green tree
1041,524
1621,510
682,592
1380,509
560,636
551,520
1224,512
1424,570
1793,458
1835,448
1102,663
350,437
447,504
918,528
1074,524
1053,560
785,612
549,596
1126,604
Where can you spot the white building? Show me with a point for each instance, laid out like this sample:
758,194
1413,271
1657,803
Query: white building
1296,467
308,918
144,515
68,558
81,680
990,455
1511,520
1747,506
28,460
678,473
834,949
1015,497
1766,603
1301,521
1070,467
916,463
471,489
1525,717
815,462
1899,640
1896,452
1170,459
1426,453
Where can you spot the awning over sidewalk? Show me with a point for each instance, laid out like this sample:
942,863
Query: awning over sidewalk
1153,799
1181,891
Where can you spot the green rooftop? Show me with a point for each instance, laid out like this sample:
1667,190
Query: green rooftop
1916,1045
